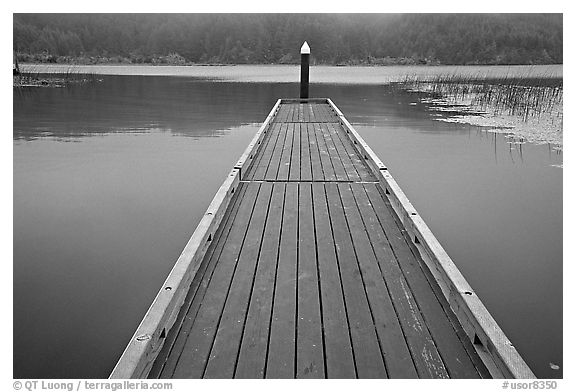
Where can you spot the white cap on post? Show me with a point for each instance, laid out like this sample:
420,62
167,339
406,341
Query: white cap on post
305,49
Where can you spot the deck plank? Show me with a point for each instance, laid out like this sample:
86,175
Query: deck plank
224,353
369,361
166,361
293,113
397,357
319,114
323,114
273,165
325,159
305,155
337,163
254,348
337,341
294,174
451,349
424,353
310,346
282,343
195,352
286,157
315,161
357,159
343,154
260,165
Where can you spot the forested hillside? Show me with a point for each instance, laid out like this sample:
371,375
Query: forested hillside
276,38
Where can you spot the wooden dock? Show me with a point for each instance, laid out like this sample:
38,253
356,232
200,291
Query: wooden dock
311,263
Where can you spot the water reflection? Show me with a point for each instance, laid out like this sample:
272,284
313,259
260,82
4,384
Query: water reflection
133,104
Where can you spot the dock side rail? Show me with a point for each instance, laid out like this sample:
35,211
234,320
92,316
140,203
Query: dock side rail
496,351
144,346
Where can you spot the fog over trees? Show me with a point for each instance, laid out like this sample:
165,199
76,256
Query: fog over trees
276,38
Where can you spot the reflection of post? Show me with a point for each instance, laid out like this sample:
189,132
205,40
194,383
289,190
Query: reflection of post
304,69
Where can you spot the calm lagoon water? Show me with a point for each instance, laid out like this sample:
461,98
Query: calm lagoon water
110,180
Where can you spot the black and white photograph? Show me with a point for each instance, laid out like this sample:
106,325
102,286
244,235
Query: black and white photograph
251,193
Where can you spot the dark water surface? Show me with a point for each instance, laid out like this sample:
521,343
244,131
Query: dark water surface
111,179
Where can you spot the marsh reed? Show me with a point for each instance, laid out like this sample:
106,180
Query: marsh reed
524,96
33,78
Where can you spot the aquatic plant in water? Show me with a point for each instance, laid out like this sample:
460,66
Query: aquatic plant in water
528,107
32,78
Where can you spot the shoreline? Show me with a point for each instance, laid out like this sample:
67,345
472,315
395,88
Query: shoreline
366,65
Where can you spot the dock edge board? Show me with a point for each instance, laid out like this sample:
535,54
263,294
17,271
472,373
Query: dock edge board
144,346
496,351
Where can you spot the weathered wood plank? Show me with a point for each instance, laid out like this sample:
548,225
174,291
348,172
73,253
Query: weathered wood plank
272,170
305,155
319,114
286,112
330,116
491,344
390,335
282,344
369,361
168,357
423,350
224,353
267,144
293,113
316,163
252,358
281,116
286,157
195,353
294,174
258,169
310,346
450,348
327,168
399,361
247,158
322,113
467,344
355,155
337,342
326,117
343,154
337,162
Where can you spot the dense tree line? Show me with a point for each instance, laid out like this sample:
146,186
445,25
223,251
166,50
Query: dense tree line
276,38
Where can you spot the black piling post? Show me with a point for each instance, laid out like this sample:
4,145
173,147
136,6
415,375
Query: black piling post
304,70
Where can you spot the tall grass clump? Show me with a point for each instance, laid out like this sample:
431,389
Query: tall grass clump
31,77
514,96
525,106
